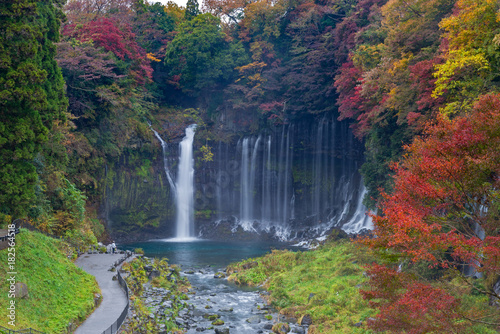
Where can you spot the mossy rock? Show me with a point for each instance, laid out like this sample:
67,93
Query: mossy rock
218,322
219,275
212,317
281,328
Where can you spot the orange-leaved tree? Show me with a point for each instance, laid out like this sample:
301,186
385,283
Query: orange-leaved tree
444,211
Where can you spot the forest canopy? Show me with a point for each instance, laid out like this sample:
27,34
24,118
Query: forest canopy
81,84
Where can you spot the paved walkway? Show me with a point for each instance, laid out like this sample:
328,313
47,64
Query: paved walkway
113,297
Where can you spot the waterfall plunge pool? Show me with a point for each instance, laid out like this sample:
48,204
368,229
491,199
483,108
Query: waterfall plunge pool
204,253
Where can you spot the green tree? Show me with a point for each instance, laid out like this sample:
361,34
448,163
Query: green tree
200,58
192,10
31,95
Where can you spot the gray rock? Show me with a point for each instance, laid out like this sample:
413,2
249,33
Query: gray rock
306,320
299,330
154,273
281,328
226,310
219,275
268,326
20,290
222,330
358,324
253,320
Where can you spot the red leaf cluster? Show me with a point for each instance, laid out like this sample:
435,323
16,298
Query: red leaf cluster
445,196
408,306
106,33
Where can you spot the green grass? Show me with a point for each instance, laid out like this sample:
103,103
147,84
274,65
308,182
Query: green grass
59,291
333,273
325,283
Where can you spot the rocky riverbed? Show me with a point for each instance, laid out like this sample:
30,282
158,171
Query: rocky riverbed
210,305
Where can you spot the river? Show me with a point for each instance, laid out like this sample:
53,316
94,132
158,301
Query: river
241,308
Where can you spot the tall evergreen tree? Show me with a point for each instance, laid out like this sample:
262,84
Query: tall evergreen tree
192,9
31,95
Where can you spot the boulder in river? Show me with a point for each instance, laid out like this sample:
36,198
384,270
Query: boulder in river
222,330
253,320
219,275
218,322
281,328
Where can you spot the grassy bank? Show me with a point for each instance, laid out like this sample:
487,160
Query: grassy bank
322,284
59,292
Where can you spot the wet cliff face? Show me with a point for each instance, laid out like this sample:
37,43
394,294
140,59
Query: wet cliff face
287,182
138,202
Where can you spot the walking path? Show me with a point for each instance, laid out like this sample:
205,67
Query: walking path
113,297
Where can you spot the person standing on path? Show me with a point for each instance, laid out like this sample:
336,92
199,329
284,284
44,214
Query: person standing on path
113,247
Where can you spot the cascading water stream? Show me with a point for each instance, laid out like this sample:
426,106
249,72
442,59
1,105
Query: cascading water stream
360,220
295,181
165,161
245,183
184,199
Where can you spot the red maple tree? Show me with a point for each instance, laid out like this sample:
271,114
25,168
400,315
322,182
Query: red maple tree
444,210
120,40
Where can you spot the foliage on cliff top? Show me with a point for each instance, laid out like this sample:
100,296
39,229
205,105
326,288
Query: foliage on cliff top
323,283
59,292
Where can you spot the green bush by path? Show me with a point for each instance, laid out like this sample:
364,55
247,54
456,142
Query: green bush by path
59,292
323,284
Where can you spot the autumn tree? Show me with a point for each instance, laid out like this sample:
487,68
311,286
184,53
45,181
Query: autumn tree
444,210
233,9
83,11
469,50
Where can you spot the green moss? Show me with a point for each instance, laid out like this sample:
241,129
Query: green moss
59,292
169,278
322,283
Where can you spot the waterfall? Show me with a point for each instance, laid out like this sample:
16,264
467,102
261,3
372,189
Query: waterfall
245,183
286,201
253,167
165,161
266,182
316,201
296,180
359,220
185,188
